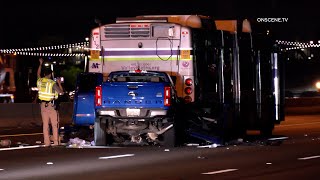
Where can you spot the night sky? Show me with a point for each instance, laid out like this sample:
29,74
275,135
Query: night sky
30,24
27,22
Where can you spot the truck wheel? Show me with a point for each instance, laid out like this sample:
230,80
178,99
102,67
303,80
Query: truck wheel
99,132
169,138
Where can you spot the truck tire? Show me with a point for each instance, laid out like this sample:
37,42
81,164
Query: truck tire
99,133
169,138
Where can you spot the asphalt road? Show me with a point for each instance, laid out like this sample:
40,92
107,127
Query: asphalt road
297,157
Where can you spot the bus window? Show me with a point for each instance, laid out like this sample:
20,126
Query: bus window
205,63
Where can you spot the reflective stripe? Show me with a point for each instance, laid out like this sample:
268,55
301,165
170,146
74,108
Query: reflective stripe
45,87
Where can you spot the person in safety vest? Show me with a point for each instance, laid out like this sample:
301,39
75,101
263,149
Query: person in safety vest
48,93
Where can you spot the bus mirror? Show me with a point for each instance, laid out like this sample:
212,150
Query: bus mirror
174,79
246,27
194,21
226,25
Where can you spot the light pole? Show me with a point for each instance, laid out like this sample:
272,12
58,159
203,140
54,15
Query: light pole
86,56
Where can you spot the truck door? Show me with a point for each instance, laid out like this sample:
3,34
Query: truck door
83,109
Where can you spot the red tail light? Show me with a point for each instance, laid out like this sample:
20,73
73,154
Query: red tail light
188,90
187,99
188,82
98,97
167,96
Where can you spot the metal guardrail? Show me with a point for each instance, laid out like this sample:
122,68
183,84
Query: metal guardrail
28,114
302,102
11,96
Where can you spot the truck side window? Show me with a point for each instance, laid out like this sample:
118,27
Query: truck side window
87,83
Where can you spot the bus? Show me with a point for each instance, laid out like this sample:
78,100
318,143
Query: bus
228,76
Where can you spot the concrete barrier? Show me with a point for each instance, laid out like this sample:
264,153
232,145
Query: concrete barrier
302,102
302,105
28,114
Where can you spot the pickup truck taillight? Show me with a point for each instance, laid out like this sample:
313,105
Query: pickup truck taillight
167,96
98,96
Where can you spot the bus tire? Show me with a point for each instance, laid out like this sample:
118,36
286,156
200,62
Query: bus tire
266,131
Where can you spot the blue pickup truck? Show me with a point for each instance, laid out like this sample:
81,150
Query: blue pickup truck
136,107
83,104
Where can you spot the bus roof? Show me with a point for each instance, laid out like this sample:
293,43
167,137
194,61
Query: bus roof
193,21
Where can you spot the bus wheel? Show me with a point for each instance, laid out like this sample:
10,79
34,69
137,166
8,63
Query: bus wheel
266,131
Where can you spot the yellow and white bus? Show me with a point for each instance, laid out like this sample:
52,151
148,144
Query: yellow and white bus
220,66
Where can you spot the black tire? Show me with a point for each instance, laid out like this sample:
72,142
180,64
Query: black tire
266,129
99,133
169,138
266,132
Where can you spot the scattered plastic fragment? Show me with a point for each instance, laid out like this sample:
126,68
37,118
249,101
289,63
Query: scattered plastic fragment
5,143
78,143
214,145
201,157
191,144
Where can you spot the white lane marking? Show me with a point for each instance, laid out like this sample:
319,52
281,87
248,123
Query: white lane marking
220,171
298,124
278,138
97,147
214,145
310,157
1,169
117,156
20,147
268,163
10,135
49,163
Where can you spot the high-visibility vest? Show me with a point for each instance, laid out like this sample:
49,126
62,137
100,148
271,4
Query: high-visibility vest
45,89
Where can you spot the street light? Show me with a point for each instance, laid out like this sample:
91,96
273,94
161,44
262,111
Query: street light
318,85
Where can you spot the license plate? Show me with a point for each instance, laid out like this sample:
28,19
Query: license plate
133,112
